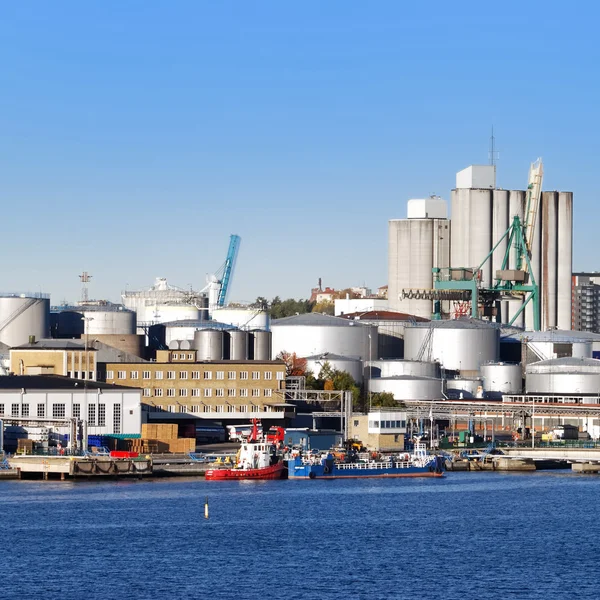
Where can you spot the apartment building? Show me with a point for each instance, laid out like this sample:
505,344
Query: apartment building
219,390
586,302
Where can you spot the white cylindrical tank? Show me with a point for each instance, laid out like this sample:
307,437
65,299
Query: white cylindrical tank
567,376
22,316
175,312
313,333
462,345
209,344
243,318
261,341
174,345
501,378
565,260
464,387
407,387
352,366
415,247
395,368
238,345
109,322
186,345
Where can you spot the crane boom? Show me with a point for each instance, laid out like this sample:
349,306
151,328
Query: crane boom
234,246
534,193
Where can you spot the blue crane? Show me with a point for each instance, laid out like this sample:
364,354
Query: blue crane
227,268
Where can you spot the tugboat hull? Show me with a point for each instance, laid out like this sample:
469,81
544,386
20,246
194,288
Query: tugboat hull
271,472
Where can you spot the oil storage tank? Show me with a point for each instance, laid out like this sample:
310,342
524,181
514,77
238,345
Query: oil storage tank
244,318
209,344
501,378
238,344
407,387
397,367
566,375
22,316
109,320
352,366
313,333
464,387
261,344
458,345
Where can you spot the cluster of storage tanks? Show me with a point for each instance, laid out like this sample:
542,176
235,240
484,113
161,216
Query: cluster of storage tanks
233,344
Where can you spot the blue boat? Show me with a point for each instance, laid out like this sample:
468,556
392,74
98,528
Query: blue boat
418,464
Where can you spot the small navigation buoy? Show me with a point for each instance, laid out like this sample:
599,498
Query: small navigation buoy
206,508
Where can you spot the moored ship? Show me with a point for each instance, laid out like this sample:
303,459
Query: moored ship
256,459
417,464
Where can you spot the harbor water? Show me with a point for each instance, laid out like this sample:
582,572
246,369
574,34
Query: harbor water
467,536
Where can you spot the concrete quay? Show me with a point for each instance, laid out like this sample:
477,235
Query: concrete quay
567,454
62,467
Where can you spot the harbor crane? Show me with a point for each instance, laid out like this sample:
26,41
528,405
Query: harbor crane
508,283
465,284
219,282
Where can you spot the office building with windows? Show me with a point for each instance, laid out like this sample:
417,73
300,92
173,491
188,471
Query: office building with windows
223,390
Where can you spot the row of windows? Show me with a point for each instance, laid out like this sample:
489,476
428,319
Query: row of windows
208,392
220,375
387,424
59,412
80,375
183,356
215,409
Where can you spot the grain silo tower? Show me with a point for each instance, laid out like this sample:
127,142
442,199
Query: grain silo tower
481,213
417,244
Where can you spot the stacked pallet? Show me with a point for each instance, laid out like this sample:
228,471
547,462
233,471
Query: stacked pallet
162,437
25,446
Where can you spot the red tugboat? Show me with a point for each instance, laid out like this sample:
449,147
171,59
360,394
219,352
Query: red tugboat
255,460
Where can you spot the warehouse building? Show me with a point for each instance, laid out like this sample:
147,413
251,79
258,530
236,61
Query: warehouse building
108,409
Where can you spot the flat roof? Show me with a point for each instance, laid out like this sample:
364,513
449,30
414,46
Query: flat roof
54,382
52,344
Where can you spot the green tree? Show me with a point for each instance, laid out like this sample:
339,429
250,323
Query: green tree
325,307
261,303
385,399
287,308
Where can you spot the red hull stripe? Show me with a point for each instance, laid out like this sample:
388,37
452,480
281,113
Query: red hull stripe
274,472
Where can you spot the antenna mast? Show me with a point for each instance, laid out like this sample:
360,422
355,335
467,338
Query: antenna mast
85,279
493,152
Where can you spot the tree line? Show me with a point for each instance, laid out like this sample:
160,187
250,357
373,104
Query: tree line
278,308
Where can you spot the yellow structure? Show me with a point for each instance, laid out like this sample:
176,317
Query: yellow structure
381,431
223,390
64,357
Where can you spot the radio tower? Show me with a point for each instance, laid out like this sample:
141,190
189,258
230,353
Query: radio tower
84,278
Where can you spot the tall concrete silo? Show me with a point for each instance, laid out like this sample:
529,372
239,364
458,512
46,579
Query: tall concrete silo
416,246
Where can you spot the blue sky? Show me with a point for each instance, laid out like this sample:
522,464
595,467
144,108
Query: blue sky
136,136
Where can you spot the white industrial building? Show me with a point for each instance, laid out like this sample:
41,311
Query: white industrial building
108,409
